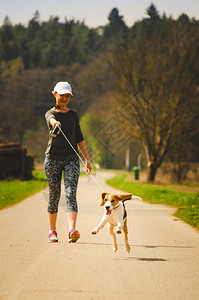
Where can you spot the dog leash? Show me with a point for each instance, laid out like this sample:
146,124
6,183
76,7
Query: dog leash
55,132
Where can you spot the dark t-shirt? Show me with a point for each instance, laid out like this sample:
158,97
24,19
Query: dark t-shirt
58,148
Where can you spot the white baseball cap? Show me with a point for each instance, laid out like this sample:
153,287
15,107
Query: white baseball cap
63,87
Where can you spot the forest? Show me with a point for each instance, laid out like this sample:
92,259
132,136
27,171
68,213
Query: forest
135,88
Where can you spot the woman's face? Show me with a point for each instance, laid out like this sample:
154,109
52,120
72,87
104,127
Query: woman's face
62,100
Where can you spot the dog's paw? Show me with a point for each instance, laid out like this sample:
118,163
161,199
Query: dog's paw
94,232
114,248
128,248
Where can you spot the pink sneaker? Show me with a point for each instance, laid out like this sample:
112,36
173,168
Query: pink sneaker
52,238
73,236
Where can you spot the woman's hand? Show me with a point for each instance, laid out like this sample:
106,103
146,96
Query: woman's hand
53,122
88,168
82,146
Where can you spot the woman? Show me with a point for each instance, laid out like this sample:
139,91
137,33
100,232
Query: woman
61,157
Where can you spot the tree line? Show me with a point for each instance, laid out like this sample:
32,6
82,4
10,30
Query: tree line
53,43
151,67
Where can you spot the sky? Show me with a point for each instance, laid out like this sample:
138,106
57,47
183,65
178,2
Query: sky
94,13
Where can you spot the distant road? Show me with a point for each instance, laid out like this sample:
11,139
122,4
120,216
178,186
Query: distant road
163,263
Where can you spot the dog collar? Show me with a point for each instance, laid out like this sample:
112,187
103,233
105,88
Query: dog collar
116,206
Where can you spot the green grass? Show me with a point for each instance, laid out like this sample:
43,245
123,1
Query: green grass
187,204
14,191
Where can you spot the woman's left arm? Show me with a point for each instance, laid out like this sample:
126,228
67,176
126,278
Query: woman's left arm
82,146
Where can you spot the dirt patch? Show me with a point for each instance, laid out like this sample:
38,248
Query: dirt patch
183,188
159,182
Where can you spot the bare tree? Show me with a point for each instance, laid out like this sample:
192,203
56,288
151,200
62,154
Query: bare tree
159,73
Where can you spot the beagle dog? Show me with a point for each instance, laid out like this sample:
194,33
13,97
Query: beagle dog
115,215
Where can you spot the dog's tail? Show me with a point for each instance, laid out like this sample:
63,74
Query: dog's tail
136,198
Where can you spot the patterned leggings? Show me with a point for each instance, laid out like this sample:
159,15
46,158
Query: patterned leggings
53,170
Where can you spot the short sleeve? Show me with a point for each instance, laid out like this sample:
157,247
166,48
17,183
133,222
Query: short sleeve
49,115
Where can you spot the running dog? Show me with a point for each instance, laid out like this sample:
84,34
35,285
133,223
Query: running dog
115,215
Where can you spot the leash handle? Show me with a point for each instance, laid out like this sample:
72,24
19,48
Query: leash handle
54,132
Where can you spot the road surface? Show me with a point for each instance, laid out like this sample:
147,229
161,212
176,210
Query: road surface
163,263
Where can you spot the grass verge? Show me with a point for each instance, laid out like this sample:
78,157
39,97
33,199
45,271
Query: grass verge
14,191
187,204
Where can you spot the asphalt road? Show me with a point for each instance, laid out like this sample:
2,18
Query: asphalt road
163,262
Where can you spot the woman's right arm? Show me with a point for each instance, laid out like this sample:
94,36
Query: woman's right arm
51,120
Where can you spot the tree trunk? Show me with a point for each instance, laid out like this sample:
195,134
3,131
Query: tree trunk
127,158
152,172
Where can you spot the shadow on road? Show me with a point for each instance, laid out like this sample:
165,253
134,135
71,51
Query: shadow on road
142,258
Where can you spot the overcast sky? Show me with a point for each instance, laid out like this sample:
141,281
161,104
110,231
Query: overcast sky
93,13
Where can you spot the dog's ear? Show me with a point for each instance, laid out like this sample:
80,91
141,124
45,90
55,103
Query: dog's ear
102,199
124,197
